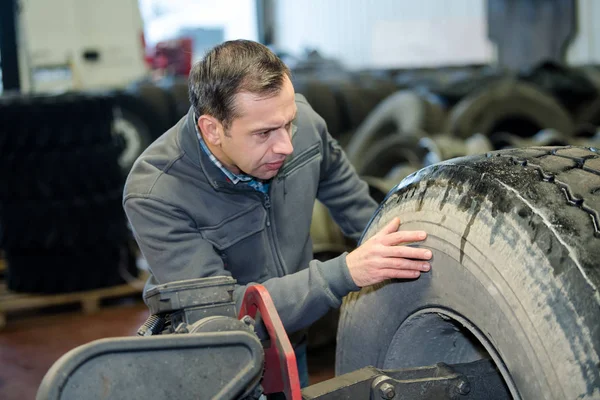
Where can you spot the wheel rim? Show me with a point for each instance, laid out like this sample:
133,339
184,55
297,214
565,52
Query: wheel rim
457,340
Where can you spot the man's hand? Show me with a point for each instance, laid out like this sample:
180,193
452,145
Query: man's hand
380,257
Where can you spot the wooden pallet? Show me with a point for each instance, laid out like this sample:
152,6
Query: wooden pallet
89,300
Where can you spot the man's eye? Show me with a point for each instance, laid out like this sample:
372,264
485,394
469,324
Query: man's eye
263,134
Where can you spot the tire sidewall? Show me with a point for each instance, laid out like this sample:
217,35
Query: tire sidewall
134,132
504,285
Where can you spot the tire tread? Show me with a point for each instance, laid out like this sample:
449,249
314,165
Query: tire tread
575,170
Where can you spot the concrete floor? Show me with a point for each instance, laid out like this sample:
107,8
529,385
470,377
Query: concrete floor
30,344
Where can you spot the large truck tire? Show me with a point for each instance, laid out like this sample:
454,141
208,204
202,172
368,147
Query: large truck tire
404,112
144,112
589,113
322,99
353,102
515,236
508,106
391,153
132,133
158,103
177,88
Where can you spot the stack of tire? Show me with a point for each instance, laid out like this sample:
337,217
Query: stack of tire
144,111
514,229
344,102
62,226
429,121
487,110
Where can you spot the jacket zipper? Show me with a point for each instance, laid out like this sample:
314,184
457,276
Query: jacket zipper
298,162
272,238
266,201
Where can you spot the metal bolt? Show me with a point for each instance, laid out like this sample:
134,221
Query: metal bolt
387,391
464,387
248,320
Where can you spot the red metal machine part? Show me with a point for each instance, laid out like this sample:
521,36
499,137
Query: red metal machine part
281,370
173,57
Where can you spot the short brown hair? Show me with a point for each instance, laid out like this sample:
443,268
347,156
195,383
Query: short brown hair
230,68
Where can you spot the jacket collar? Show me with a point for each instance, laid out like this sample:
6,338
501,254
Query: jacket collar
191,147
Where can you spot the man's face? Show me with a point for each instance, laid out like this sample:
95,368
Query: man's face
258,141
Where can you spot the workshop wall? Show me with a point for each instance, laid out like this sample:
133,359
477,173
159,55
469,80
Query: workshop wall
585,48
427,33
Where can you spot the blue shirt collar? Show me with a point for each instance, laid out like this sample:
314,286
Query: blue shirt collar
234,178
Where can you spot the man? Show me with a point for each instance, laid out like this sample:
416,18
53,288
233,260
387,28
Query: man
230,189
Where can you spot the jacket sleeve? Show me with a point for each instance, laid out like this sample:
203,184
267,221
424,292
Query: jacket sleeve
175,250
340,188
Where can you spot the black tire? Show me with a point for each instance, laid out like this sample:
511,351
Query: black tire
545,137
157,101
353,103
460,84
375,90
62,224
507,106
589,113
516,242
178,89
405,112
570,86
322,99
132,133
390,152
592,73
378,187
444,147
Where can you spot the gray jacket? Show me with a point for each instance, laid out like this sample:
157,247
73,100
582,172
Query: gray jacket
190,222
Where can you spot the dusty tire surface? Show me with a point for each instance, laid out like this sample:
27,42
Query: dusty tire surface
516,242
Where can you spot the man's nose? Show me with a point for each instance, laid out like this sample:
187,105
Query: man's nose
283,144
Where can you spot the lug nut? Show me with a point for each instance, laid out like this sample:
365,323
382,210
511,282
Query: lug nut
387,391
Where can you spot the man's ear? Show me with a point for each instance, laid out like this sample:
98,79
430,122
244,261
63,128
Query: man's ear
210,128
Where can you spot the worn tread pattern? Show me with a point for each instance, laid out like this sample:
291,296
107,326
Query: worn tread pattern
572,169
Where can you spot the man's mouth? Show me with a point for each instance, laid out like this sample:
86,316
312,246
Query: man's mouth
274,165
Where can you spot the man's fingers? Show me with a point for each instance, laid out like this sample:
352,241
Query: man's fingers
404,264
407,252
400,237
391,226
401,274
405,269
